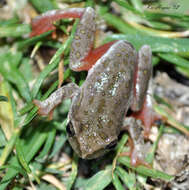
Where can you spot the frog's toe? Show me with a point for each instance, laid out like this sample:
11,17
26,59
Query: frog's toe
137,161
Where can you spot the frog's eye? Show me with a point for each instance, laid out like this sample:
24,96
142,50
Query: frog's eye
70,129
112,145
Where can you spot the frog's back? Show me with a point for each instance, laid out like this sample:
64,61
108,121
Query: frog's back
107,91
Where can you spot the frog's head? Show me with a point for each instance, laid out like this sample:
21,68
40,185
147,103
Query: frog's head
87,136
89,144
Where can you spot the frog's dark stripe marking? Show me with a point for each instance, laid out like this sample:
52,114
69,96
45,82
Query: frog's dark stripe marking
101,106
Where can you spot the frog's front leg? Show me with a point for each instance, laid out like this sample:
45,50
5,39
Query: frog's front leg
47,106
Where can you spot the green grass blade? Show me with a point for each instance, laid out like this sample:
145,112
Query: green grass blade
3,99
21,84
151,155
160,15
121,144
89,3
183,71
21,156
8,148
48,144
31,41
26,108
43,5
162,101
58,144
19,30
30,116
3,140
14,108
10,174
155,60
171,120
126,5
116,22
42,77
18,169
6,111
37,137
9,70
35,142
73,174
9,22
128,179
100,180
145,171
138,5
159,25
117,183
158,44
175,59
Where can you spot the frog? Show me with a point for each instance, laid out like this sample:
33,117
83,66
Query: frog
117,80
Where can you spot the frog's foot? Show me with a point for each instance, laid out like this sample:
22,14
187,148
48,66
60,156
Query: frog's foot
138,148
47,106
43,108
135,160
135,155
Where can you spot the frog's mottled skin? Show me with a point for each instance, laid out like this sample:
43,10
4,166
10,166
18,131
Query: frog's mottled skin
99,106
97,112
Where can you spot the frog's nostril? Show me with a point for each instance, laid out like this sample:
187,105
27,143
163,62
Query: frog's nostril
70,129
112,145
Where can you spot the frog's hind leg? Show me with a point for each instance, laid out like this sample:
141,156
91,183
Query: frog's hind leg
83,40
82,43
47,106
45,22
142,76
138,148
92,57
82,53
142,100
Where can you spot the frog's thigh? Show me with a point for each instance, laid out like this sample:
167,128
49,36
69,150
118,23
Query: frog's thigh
143,76
83,40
